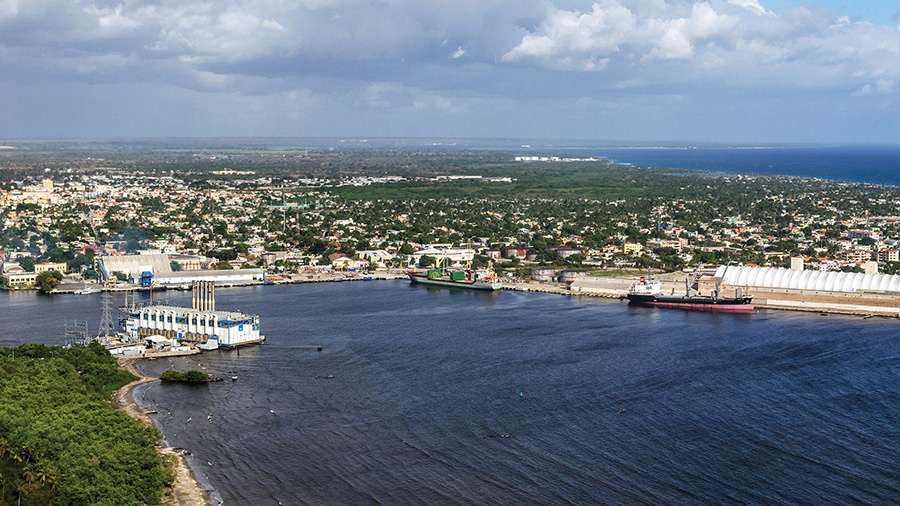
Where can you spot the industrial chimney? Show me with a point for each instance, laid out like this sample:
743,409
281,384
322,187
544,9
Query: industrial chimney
203,296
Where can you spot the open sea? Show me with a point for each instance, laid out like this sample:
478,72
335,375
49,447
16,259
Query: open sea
433,396
861,164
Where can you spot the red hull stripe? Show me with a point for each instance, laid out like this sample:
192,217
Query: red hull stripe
730,308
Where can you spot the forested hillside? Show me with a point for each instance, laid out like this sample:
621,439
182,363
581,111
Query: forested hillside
61,440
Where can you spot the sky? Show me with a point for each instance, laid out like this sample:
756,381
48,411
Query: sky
729,71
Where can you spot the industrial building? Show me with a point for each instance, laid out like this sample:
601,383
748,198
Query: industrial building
778,288
200,324
156,270
454,255
51,266
807,290
769,277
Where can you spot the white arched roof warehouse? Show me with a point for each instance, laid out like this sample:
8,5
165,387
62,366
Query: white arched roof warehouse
770,277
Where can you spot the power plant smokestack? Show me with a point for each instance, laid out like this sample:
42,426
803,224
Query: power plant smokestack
203,296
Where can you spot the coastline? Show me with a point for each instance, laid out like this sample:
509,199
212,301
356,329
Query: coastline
595,313
186,490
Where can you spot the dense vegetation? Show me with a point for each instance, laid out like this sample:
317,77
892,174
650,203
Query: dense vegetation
62,442
317,197
48,280
185,377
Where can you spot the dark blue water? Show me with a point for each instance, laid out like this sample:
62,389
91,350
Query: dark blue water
763,409
861,164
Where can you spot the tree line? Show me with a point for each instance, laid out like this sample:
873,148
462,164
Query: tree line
62,441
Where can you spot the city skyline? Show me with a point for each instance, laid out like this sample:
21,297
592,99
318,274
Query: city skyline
622,70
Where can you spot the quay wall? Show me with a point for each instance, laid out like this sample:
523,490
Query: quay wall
823,301
820,301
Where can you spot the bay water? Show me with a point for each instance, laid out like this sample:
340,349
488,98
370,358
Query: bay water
860,164
441,396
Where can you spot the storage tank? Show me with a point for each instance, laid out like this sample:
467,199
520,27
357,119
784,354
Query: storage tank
543,273
569,277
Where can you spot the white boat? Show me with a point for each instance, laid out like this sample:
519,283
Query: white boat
211,344
88,289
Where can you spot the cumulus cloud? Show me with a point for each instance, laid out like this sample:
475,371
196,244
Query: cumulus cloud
383,56
882,86
8,8
661,31
112,20
228,36
738,41
752,5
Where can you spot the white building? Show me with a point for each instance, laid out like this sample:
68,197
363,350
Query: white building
200,324
454,255
160,270
768,277
377,255
231,329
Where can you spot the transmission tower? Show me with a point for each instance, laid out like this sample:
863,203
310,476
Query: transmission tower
107,326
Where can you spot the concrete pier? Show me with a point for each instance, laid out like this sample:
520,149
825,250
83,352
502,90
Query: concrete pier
819,301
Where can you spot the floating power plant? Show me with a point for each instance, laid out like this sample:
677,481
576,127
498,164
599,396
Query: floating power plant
201,324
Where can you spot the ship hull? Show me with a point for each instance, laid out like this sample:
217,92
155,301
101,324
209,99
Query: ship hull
697,303
467,285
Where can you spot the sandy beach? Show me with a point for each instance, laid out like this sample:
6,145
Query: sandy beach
187,491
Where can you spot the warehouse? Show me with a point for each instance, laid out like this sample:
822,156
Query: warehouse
769,277
806,290
156,270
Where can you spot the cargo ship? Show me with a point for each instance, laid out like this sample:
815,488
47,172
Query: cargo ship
457,278
647,292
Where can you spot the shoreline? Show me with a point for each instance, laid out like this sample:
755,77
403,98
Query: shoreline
186,491
616,288
69,287
807,301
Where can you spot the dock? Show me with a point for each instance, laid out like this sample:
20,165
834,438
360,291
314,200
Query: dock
866,304
153,354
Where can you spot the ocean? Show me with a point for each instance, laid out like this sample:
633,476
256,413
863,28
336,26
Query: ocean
434,396
861,164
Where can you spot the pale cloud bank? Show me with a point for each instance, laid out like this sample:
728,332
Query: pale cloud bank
399,64
736,42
